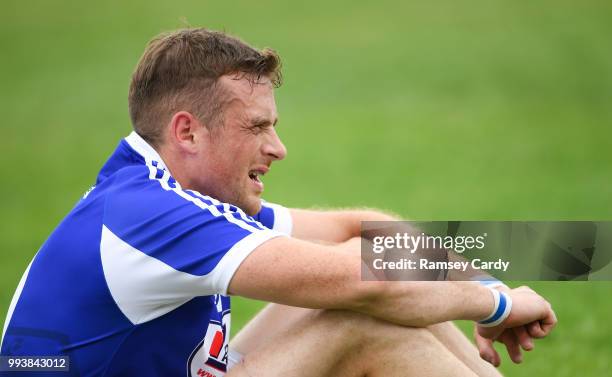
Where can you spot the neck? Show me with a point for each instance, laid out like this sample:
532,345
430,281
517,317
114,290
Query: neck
177,165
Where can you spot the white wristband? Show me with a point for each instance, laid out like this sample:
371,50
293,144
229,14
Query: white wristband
501,309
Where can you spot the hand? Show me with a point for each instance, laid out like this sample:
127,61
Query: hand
514,339
528,308
534,329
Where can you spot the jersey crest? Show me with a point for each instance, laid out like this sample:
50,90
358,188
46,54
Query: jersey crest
209,359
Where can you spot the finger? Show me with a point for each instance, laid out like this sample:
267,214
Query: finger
489,332
496,358
523,338
535,330
549,322
524,288
512,345
486,350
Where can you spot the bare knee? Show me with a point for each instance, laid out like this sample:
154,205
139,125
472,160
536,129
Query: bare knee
362,328
356,345
385,349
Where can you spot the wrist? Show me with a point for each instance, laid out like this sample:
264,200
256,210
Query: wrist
501,309
476,301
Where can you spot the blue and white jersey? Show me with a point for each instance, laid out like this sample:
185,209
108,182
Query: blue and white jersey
133,282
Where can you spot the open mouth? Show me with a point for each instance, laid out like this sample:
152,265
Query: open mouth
255,175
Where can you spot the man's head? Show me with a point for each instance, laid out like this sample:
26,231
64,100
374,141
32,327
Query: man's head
205,101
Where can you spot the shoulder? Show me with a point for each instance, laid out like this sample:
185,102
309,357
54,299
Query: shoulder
145,195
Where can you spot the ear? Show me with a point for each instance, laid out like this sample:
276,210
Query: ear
185,129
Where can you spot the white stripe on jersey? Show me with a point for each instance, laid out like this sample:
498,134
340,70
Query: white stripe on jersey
143,148
163,181
283,222
226,208
145,288
149,154
16,295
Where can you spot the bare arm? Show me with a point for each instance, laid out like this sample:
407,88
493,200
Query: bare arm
341,226
333,225
299,273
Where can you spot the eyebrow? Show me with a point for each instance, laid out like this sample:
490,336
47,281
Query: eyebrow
261,120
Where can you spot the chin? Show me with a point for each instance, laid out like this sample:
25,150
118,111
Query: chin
253,208
250,207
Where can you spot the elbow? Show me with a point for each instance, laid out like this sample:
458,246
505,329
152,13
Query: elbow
366,296
397,302
360,295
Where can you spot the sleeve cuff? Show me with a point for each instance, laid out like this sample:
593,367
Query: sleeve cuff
283,223
228,265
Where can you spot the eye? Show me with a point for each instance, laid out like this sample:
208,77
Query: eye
259,127
262,124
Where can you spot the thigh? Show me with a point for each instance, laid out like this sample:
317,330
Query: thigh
305,343
453,339
343,344
273,320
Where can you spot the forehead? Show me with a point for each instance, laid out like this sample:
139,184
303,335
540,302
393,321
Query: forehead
253,99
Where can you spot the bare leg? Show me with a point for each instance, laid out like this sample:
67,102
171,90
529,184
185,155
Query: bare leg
340,343
274,319
449,335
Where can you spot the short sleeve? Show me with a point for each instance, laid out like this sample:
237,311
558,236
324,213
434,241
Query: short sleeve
275,217
161,246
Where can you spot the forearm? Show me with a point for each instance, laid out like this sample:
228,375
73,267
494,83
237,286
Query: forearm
333,225
353,219
298,273
437,301
342,226
432,254
420,304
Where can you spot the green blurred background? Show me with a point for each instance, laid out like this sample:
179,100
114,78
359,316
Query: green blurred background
471,110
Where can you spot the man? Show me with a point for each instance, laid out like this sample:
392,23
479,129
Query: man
134,281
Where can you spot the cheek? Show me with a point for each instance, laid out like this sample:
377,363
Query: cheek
232,169
234,160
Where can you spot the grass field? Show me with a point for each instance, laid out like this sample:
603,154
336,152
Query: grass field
474,110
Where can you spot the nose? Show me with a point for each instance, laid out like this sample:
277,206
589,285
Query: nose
274,147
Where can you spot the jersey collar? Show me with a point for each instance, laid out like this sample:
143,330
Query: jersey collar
143,148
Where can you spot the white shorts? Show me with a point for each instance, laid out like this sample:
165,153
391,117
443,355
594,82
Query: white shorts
233,358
